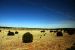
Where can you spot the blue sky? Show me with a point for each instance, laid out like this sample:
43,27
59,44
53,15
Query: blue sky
37,13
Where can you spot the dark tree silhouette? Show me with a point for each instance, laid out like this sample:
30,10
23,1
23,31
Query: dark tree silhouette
10,33
27,38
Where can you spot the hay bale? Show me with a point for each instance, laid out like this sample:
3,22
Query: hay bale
72,47
68,49
40,37
51,31
59,33
42,31
44,34
55,31
27,38
73,43
10,33
16,32
0,30
70,31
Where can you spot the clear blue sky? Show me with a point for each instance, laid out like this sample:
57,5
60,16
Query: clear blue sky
37,13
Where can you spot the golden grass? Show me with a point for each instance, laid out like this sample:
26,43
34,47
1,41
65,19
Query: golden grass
48,42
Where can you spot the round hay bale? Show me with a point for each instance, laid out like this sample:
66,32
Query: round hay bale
16,32
27,38
59,33
10,33
73,43
68,49
72,47
0,30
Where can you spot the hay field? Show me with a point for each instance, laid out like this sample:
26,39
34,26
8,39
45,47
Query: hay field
48,42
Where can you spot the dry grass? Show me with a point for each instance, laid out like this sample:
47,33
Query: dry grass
48,42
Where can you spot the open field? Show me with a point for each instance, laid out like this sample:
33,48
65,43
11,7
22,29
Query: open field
41,40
